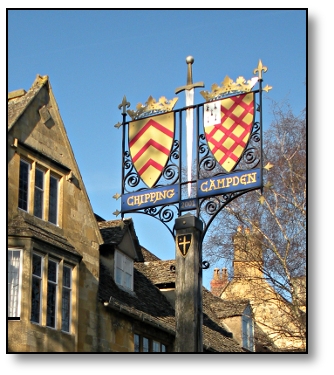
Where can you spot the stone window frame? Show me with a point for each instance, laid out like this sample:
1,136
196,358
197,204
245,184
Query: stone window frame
51,174
62,262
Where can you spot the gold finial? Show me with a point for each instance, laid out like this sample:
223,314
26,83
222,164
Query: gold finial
125,104
116,196
268,166
267,88
116,213
260,68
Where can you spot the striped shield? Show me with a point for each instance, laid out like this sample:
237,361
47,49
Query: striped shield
150,143
227,125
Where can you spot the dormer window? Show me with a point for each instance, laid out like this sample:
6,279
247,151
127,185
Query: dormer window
123,270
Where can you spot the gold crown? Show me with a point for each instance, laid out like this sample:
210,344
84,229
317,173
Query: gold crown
228,87
152,107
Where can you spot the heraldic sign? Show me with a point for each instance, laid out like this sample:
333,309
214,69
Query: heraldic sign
197,158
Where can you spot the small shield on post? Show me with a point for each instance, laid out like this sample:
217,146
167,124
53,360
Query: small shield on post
183,243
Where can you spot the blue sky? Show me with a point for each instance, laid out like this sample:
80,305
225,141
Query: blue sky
95,57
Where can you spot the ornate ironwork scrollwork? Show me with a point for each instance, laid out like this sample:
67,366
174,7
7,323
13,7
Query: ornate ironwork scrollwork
171,171
165,214
212,205
206,161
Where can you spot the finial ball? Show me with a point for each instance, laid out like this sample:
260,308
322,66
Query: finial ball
189,60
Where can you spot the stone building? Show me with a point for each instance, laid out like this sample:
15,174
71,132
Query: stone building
53,236
78,283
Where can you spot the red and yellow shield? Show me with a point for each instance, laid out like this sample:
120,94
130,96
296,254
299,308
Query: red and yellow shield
228,124
150,143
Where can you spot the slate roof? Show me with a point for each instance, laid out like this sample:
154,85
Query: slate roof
228,309
147,303
146,300
158,271
113,231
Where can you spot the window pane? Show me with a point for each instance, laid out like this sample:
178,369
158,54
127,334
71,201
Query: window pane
51,305
36,300
156,346
53,201
66,299
51,294
39,194
119,260
36,290
37,265
67,276
128,265
145,344
23,185
118,276
39,179
13,282
163,348
123,270
128,281
52,271
247,332
38,204
136,343
66,306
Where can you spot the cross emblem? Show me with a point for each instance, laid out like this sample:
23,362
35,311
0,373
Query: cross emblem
183,243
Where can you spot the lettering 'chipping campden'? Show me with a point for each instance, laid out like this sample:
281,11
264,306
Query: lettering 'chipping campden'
226,182
151,197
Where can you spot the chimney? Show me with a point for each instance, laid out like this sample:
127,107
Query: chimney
248,253
219,281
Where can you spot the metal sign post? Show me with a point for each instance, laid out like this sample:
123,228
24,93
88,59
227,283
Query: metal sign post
225,163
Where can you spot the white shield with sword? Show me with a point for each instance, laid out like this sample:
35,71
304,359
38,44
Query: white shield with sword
189,89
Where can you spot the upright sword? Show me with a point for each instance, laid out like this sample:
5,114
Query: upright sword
189,89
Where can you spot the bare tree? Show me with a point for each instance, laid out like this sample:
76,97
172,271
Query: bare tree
277,218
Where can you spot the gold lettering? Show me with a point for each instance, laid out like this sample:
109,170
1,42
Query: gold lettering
137,200
220,183
128,201
243,179
212,185
152,197
170,193
235,180
204,188
162,195
251,177
228,180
